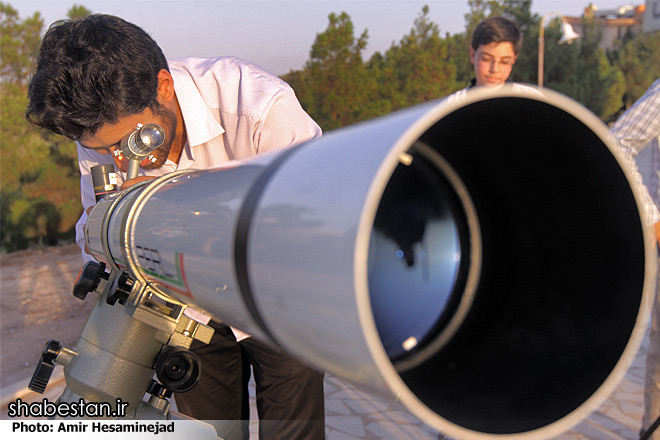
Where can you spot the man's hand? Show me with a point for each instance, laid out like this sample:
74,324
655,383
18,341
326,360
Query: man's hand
133,181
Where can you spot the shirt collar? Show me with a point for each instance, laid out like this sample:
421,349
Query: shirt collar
201,125
473,84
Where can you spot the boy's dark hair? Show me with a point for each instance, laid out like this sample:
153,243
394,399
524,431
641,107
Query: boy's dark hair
92,71
497,30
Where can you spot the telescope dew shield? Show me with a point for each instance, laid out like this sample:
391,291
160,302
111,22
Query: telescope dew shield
483,261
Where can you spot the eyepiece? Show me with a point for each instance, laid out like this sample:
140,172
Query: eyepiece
142,141
150,137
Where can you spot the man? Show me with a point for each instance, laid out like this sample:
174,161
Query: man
636,129
98,78
494,49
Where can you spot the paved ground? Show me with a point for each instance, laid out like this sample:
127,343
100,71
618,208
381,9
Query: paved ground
36,305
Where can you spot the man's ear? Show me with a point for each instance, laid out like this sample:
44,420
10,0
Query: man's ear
472,55
165,87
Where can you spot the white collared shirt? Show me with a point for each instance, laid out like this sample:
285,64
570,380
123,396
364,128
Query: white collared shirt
232,110
639,128
463,93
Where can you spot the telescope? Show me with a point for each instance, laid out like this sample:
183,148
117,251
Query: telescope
138,144
482,261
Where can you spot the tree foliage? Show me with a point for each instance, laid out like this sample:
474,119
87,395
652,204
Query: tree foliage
40,198
418,68
336,83
337,87
638,59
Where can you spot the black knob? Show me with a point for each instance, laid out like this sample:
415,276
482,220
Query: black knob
178,369
121,289
45,368
89,278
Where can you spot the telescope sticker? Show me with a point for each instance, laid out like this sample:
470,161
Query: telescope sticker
150,259
152,266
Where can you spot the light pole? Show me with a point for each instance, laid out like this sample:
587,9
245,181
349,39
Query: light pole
568,34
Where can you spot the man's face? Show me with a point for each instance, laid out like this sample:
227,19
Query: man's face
108,138
493,63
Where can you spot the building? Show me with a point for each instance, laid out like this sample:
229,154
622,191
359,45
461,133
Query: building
615,22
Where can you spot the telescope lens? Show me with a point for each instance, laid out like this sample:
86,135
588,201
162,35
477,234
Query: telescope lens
149,137
414,256
142,141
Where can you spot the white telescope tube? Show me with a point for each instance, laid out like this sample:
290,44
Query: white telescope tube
484,262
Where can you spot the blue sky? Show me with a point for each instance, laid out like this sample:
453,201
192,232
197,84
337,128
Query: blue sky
277,34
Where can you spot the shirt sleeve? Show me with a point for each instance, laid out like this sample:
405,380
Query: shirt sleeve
86,160
285,124
636,129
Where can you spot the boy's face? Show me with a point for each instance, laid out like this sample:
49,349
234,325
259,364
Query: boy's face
493,63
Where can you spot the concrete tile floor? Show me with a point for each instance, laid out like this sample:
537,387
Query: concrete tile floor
355,414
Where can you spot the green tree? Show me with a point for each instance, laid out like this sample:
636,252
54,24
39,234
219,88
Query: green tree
417,69
582,70
479,11
458,49
600,83
561,62
526,67
638,58
38,171
78,11
335,86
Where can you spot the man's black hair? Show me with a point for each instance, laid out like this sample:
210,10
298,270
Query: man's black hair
92,71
